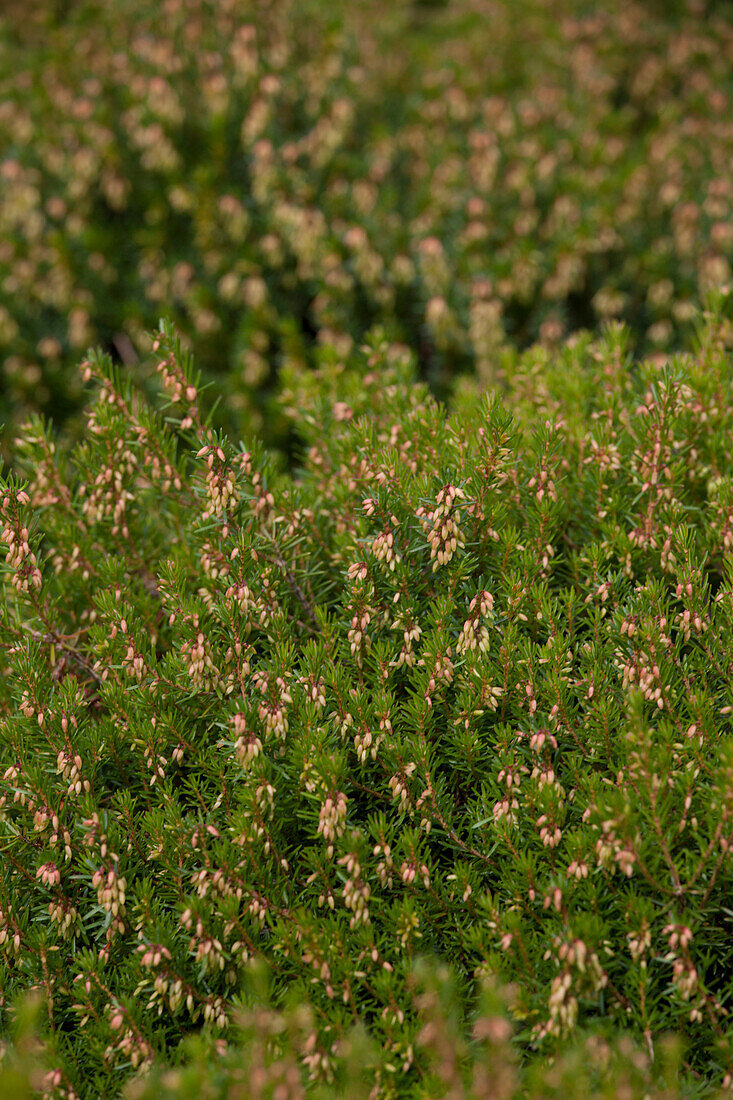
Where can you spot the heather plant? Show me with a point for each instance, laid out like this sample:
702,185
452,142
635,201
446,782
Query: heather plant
266,1058
459,686
281,176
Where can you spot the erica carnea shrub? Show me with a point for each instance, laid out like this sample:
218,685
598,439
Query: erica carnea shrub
461,687
266,1058
279,175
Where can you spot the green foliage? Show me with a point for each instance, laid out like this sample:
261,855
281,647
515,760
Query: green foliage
266,1058
460,686
280,175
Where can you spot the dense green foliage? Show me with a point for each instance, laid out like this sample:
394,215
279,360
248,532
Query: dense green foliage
461,685
276,175
266,1059
438,664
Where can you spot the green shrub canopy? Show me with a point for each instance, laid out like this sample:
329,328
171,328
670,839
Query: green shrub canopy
437,664
460,686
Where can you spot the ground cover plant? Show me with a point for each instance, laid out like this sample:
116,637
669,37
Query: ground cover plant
386,753
267,1057
458,686
278,175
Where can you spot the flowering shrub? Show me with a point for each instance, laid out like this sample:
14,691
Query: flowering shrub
460,686
276,176
267,1058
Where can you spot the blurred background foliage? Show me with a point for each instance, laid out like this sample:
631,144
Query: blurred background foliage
265,1060
277,176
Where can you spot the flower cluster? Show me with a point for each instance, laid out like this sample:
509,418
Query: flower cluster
19,556
441,523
